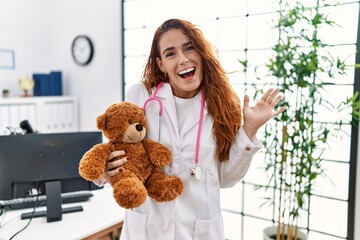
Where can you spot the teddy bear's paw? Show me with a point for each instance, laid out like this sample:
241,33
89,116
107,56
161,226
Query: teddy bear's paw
130,193
89,173
162,157
165,190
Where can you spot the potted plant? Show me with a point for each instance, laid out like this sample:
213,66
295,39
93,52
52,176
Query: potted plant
294,142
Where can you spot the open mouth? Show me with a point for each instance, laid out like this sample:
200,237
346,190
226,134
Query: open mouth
187,73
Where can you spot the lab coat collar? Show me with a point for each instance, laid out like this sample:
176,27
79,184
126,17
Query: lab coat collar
167,98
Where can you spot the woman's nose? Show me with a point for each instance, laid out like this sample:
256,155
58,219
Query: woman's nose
183,59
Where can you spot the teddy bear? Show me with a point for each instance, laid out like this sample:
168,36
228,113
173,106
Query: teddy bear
124,125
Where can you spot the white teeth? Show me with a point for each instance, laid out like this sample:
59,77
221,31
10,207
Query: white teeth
186,71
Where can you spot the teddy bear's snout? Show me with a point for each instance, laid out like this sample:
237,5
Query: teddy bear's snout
139,127
134,133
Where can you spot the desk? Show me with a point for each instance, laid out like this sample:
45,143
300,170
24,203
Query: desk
101,215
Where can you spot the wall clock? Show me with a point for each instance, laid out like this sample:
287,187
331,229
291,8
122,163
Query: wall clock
82,50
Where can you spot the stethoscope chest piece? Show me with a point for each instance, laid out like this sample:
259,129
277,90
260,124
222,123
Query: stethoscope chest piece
196,172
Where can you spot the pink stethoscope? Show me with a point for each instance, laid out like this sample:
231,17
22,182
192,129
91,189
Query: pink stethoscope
196,170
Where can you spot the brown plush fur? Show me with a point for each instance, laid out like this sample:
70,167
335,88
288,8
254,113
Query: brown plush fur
124,124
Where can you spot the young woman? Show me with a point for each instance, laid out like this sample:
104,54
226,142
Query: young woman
211,136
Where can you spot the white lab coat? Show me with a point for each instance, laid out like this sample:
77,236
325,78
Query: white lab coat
196,213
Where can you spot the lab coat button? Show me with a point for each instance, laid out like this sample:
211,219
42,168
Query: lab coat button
247,148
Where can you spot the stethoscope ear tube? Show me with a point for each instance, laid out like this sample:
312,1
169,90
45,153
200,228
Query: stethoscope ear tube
196,170
155,98
159,102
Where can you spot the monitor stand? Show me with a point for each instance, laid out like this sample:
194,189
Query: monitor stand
54,210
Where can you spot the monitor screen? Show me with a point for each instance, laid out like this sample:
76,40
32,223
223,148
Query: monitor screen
28,162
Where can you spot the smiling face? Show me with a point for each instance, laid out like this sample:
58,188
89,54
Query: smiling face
181,62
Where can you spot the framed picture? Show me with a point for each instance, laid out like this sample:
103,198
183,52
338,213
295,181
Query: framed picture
7,59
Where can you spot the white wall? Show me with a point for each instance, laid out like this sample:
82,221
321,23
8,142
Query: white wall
25,27
41,33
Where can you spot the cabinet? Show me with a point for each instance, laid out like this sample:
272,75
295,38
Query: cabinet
45,114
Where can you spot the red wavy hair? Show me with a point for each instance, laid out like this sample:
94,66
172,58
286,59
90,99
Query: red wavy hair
222,102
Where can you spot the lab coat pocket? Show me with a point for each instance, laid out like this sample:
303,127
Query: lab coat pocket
209,175
209,229
134,225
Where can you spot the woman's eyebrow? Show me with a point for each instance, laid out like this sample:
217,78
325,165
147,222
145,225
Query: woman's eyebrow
172,48
186,44
168,49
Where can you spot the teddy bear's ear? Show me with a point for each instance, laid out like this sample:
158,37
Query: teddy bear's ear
101,122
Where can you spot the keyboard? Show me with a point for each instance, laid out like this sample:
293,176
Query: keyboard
29,202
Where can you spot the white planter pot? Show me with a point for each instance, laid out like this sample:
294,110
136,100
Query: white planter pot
271,231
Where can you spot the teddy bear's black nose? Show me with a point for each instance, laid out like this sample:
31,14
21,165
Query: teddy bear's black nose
139,127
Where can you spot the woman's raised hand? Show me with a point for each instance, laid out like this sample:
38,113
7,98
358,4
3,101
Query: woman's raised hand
257,115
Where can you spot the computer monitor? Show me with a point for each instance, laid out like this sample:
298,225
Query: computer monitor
39,164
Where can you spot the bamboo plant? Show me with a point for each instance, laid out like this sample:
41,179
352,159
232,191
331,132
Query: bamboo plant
295,141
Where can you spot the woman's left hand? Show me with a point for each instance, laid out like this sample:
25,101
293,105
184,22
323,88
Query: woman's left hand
257,115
